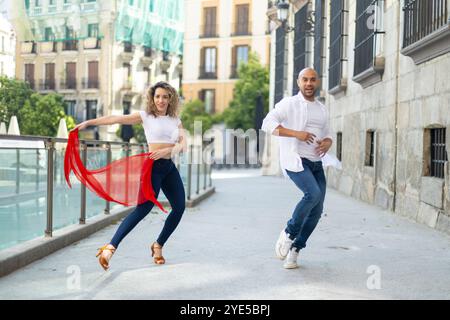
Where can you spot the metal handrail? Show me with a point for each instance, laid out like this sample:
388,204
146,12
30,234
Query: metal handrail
49,144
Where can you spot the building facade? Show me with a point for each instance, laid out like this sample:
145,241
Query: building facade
219,35
384,70
7,48
101,55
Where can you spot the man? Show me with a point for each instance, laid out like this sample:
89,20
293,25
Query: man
302,122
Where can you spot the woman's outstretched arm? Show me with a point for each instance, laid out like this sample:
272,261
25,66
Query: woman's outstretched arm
133,118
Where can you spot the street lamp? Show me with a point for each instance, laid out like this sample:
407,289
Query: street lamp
283,15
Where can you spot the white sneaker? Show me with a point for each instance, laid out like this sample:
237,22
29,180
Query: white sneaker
291,260
283,245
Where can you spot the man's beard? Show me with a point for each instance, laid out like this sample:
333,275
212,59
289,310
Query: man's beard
309,95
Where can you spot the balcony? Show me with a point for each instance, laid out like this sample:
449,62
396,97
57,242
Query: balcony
147,58
70,45
89,6
92,43
165,63
128,52
241,29
28,47
207,74
209,31
51,9
46,84
68,84
48,47
90,83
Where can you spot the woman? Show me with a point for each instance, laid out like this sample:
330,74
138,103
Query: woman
163,130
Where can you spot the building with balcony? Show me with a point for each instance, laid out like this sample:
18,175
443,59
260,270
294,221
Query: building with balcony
101,55
219,36
7,48
383,67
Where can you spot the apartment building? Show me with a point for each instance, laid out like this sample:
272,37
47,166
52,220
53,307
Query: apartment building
101,55
7,48
219,35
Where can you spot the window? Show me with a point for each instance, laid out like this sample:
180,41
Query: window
209,22
91,109
93,75
336,81
71,75
319,40
151,5
93,30
423,17
49,35
208,63
301,52
2,68
370,148
70,108
49,76
241,26
208,96
147,77
435,153
426,31
70,43
3,44
37,3
131,2
29,74
339,146
279,65
240,55
368,40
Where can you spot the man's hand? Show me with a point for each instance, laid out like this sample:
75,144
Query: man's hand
305,136
161,153
324,146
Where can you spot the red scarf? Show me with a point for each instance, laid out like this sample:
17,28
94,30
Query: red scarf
125,181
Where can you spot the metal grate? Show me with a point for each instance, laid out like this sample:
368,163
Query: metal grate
300,54
337,37
279,65
366,35
319,39
423,17
438,152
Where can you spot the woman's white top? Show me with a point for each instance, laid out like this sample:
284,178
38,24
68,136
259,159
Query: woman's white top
160,129
294,113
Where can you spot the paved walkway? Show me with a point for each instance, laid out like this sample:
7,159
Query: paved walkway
224,249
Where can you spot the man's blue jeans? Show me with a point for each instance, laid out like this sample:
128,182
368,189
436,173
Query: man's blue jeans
313,184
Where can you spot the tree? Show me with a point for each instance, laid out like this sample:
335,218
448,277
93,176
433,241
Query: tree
13,94
253,81
41,115
195,111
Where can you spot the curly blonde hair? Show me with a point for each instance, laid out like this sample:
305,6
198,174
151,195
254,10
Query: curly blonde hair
172,109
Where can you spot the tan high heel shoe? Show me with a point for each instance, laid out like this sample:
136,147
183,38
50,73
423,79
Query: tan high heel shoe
105,253
158,259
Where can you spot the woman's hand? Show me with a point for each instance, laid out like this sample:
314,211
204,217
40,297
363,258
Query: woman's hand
161,153
81,126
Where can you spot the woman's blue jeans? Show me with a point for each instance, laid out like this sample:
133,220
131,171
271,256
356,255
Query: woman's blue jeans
312,182
165,176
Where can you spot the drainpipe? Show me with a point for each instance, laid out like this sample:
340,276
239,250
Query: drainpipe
397,88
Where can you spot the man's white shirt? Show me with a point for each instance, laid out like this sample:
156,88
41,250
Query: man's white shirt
292,113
